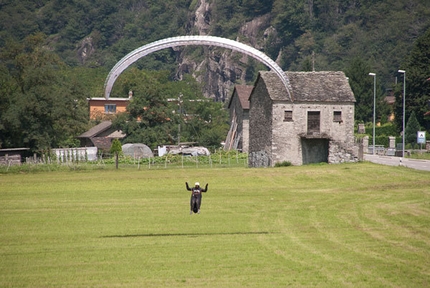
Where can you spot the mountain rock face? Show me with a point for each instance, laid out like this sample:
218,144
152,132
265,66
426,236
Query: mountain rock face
220,69
85,50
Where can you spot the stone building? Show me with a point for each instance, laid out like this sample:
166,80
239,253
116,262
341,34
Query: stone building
315,125
238,136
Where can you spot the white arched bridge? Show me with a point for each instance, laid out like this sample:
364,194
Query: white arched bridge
140,52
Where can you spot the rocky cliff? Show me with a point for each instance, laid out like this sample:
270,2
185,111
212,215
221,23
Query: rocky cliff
216,68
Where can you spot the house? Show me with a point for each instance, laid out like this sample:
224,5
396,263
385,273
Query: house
238,106
315,124
102,108
13,156
100,136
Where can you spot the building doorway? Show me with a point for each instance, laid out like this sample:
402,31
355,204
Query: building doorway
314,150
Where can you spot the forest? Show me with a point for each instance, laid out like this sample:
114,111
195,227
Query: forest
54,54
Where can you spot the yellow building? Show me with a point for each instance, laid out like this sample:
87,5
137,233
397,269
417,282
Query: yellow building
102,108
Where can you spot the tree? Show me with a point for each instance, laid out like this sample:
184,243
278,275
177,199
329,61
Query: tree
152,120
362,87
291,19
116,149
417,67
148,119
43,108
209,124
255,8
411,129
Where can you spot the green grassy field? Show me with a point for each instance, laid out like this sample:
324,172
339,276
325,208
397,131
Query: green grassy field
349,225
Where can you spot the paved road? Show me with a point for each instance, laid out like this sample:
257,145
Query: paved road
397,161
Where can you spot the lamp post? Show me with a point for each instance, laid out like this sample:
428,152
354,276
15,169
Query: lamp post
180,116
404,104
374,109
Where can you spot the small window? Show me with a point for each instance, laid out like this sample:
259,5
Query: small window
110,108
337,116
288,116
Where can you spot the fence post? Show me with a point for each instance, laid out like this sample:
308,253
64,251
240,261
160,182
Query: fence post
8,162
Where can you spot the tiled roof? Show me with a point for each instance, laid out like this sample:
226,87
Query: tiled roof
105,125
275,87
324,86
243,92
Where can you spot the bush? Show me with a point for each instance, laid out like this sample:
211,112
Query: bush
380,140
283,164
387,129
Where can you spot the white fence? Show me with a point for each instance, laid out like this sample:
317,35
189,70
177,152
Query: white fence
75,154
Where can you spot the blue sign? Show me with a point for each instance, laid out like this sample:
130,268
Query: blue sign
421,137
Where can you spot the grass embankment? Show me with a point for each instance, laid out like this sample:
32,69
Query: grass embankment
356,225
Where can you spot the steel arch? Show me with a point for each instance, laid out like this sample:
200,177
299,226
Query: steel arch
142,51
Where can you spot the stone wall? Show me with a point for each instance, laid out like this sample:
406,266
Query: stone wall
245,132
287,136
286,142
260,131
241,118
338,153
259,159
276,138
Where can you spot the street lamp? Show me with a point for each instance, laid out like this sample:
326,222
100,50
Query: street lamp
374,108
404,104
180,118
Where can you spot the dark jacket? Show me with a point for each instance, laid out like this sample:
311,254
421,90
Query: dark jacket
196,190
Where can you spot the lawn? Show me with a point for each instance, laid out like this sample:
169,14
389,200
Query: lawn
347,225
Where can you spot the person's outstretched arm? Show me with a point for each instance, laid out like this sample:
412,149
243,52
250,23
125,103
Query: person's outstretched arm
188,188
206,188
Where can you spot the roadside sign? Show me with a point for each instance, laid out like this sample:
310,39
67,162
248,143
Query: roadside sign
421,137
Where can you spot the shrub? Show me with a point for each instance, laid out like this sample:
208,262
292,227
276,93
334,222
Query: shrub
283,164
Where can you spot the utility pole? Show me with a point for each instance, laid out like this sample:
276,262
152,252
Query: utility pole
313,61
374,109
180,117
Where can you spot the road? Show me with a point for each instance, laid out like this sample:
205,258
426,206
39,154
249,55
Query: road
399,161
